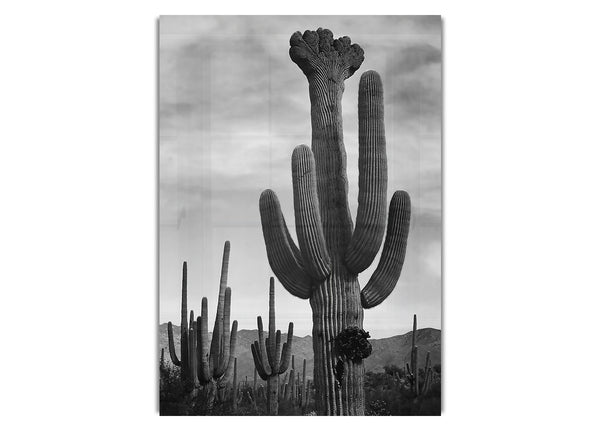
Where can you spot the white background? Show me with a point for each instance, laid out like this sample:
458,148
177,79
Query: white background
78,216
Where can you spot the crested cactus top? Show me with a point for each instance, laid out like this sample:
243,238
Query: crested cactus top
329,245
317,53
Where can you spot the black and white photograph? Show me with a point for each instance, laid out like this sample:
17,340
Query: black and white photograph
258,215
300,215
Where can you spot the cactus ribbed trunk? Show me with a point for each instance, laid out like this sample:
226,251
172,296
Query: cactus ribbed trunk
336,301
330,161
336,306
272,395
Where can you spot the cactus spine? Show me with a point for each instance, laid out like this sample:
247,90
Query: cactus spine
271,358
332,252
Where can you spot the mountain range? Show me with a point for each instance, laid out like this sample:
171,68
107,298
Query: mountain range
386,351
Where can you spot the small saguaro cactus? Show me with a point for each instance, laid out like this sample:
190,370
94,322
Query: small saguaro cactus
252,393
161,364
198,363
261,393
236,392
216,357
414,358
304,391
184,362
192,354
428,375
271,358
332,250
294,385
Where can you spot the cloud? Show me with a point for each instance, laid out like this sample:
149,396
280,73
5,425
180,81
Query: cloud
413,57
232,108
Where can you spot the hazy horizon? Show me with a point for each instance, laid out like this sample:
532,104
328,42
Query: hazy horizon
232,107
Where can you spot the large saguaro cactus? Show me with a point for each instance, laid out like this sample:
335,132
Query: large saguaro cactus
271,358
332,252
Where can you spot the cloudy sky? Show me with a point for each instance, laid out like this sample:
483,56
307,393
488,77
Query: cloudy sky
232,107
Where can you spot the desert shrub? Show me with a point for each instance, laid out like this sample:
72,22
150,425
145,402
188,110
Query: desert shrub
393,369
386,394
377,408
173,395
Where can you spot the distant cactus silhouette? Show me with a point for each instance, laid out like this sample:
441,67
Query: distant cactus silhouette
426,386
236,392
204,362
412,370
304,389
414,358
216,358
332,252
161,364
271,358
184,362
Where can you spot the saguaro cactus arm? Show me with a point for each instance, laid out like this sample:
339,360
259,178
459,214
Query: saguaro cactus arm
184,323
276,355
192,349
262,346
282,253
388,271
184,315
286,351
216,344
203,344
227,334
258,361
172,352
184,330
228,369
272,324
372,175
308,219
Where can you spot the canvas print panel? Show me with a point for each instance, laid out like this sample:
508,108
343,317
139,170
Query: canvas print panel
300,215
